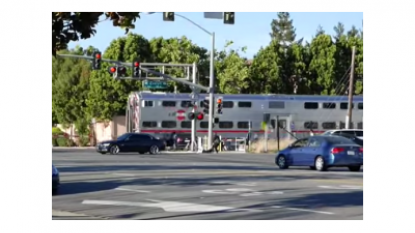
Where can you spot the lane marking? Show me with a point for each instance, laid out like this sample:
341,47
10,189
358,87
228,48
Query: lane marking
242,192
302,210
168,206
132,190
352,182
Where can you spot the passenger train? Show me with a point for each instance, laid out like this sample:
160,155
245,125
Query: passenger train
163,113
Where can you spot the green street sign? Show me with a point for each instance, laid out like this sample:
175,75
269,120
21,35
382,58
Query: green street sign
155,84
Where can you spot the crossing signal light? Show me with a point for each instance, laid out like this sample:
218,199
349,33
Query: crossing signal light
200,116
96,62
168,16
205,105
219,102
229,17
136,69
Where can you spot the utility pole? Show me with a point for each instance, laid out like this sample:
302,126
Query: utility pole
351,91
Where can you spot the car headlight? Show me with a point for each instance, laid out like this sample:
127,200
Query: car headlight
105,144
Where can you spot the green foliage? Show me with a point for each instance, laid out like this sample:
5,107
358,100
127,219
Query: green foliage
72,26
56,130
284,66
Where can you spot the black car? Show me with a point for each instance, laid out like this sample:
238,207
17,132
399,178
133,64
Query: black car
132,142
55,180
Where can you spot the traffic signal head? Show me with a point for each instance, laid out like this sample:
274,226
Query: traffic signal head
96,62
168,16
200,116
219,106
136,69
229,17
205,105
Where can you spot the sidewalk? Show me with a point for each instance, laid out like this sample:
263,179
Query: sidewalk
62,215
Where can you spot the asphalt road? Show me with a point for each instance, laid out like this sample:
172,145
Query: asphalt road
200,186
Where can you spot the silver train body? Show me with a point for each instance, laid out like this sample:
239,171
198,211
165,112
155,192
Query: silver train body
164,113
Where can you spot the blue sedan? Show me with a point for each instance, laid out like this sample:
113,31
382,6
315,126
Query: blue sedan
321,153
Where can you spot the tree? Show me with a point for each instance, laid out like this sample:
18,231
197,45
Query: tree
232,71
265,71
283,29
322,65
70,26
108,97
70,87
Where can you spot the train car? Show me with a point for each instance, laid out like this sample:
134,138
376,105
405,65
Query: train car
164,113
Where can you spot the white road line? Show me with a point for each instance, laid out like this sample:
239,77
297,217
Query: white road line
342,187
133,190
302,210
168,206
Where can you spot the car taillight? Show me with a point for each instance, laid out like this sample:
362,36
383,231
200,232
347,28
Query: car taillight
361,149
337,150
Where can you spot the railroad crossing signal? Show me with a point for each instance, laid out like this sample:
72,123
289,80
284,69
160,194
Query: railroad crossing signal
96,61
198,115
113,70
136,69
219,106
121,71
168,16
229,17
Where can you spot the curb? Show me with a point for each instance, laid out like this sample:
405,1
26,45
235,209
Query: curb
64,215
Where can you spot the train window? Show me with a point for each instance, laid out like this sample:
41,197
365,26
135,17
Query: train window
360,106
168,124
204,124
276,104
186,104
186,124
329,105
227,104
168,104
226,124
328,125
148,103
360,125
310,125
345,105
310,105
343,125
244,104
149,124
243,125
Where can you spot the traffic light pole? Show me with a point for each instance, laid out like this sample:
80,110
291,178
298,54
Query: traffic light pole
196,99
211,86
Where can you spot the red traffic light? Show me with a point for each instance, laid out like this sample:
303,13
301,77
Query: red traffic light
200,116
112,70
136,64
98,56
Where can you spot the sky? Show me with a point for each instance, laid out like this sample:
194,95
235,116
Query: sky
250,29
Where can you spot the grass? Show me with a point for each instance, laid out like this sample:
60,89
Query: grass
259,146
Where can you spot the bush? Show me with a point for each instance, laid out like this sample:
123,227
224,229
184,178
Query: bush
64,142
56,130
83,141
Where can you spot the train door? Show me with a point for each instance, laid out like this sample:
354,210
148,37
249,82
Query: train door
284,123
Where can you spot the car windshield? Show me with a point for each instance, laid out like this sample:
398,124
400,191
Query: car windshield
123,137
339,140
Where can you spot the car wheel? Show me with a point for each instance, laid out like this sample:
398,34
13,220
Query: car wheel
154,150
114,150
354,168
281,162
320,164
